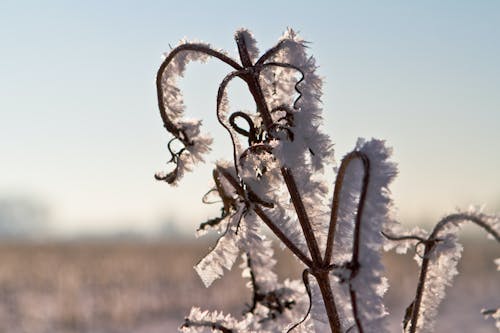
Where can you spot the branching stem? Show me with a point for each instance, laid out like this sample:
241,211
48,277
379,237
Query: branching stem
253,83
267,221
259,140
182,48
430,243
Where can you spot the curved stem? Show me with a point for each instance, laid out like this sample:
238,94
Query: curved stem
185,47
271,52
251,127
263,216
357,237
453,218
220,96
430,243
339,181
354,264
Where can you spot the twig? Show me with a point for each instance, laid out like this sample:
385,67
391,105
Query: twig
429,246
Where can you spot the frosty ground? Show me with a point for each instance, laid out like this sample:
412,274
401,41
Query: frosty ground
148,287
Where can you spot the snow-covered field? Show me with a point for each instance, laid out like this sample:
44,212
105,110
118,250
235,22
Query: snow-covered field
100,287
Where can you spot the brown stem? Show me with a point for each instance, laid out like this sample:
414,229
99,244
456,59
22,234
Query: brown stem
329,301
355,265
336,199
420,288
430,243
401,238
288,177
361,206
277,231
267,221
253,83
185,47
252,80
302,215
271,52
220,96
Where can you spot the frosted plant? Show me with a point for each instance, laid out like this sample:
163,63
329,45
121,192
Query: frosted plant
438,262
275,179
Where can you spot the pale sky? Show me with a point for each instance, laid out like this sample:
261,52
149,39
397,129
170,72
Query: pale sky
80,130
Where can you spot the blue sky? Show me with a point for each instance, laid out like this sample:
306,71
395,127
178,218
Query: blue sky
80,131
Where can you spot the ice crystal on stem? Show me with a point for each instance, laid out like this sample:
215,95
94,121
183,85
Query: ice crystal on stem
275,179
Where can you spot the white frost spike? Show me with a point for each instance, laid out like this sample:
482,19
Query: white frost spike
201,321
369,284
174,109
222,256
303,147
261,253
343,302
194,153
172,95
250,43
308,118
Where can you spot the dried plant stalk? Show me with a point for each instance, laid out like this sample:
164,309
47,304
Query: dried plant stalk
276,179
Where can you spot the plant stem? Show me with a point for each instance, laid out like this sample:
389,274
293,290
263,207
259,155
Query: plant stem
171,127
430,243
329,301
252,80
420,288
301,214
339,181
263,216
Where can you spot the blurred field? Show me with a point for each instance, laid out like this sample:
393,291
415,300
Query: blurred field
108,287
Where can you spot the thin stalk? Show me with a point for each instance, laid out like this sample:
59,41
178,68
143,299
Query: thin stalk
430,243
185,47
420,288
323,280
354,264
361,206
253,83
339,181
357,238
267,221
